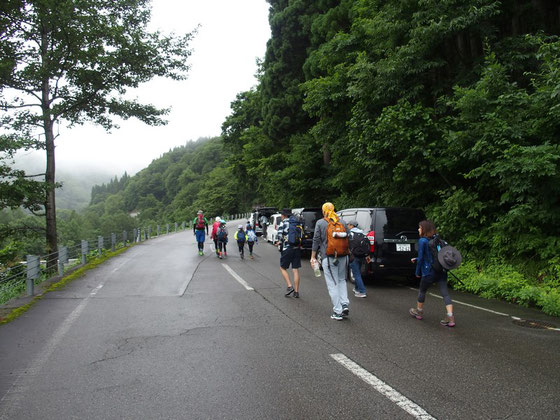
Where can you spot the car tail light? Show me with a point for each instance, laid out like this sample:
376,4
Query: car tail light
371,238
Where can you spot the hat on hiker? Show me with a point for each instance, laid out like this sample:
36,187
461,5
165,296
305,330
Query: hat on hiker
449,257
353,222
286,212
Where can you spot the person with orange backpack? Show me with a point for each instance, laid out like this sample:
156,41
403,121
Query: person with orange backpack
199,225
331,241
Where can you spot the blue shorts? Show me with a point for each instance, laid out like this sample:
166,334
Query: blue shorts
200,235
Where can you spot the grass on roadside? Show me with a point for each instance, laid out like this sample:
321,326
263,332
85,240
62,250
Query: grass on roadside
503,281
60,284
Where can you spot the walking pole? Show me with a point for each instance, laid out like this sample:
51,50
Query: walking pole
457,278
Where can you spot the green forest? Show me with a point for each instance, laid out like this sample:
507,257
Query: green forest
449,106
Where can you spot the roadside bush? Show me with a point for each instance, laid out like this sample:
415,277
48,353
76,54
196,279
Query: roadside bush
503,281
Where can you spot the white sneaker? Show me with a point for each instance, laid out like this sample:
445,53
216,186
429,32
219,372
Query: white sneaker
360,295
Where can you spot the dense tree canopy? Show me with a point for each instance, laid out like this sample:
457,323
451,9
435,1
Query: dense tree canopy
450,106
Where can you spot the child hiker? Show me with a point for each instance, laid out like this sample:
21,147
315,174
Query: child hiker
251,240
241,238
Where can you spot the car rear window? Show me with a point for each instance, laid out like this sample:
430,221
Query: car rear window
310,218
395,221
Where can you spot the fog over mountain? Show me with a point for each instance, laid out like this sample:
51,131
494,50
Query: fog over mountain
77,179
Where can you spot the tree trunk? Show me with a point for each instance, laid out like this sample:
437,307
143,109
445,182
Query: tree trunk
48,123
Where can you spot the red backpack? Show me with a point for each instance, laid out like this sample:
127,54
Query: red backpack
200,222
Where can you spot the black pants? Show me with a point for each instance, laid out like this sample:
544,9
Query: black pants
250,244
441,279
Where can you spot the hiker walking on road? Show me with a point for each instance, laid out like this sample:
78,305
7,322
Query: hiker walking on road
289,240
428,276
241,238
251,240
222,239
214,235
331,240
199,225
359,251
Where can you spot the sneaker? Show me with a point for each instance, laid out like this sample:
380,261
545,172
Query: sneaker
289,291
241,256
416,313
296,294
448,321
355,290
345,310
360,295
336,316
252,257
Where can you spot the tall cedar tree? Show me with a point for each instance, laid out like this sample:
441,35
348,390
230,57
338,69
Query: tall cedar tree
73,61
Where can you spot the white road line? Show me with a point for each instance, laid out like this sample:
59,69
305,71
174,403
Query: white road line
407,405
487,310
236,277
14,397
466,304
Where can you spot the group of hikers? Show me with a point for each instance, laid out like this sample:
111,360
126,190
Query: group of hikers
220,236
334,249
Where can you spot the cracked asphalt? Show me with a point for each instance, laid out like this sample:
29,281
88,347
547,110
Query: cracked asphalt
171,335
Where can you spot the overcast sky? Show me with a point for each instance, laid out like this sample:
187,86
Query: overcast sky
232,35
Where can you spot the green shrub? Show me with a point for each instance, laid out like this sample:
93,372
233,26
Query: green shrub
504,281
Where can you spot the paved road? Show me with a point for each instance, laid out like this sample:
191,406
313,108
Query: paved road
159,332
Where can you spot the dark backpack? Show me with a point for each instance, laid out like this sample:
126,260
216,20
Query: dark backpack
222,234
295,231
435,245
359,244
200,222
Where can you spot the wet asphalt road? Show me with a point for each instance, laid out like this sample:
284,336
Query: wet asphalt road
161,333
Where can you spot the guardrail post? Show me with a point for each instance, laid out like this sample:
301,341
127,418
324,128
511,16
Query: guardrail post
32,273
113,241
183,226
175,227
157,230
62,259
149,232
124,238
85,250
167,229
99,245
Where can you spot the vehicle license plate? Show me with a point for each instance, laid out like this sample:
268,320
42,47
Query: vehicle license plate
403,247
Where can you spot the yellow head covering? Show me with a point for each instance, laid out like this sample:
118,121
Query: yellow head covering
328,211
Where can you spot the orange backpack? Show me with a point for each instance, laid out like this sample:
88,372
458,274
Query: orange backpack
336,246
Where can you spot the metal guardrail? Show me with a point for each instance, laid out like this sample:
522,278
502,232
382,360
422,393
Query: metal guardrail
33,271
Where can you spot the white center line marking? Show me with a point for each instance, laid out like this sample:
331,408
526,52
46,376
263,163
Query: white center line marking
407,405
236,277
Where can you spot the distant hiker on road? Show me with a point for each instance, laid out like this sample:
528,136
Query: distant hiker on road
331,240
289,240
199,225
428,275
222,239
251,240
241,238
214,235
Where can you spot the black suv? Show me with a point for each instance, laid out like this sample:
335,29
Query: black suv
392,233
309,217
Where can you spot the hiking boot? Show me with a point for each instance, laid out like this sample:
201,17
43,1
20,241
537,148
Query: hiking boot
360,295
296,294
416,313
336,316
345,310
289,291
448,321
